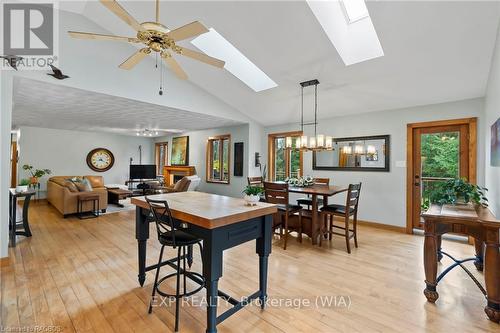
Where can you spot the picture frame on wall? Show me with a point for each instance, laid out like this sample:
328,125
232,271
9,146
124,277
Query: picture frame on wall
180,151
495,144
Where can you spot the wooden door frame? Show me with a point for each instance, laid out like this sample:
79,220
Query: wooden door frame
472,165
270,152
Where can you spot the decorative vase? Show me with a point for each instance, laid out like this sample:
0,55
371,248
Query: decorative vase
21,188
34,181
251,200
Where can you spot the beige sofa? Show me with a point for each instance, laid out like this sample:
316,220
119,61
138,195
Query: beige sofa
65,200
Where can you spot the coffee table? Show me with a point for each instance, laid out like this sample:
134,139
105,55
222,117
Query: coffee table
117,194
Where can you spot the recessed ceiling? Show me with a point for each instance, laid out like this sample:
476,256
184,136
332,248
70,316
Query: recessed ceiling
41,104
434,52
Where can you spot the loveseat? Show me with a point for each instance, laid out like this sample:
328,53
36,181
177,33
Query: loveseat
64,198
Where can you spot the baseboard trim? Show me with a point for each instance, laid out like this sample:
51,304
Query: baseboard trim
377,225
383,226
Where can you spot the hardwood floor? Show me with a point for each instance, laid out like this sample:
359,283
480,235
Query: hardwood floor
81,276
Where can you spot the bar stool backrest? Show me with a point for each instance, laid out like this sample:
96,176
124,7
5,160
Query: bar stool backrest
353,197
276,193
163,218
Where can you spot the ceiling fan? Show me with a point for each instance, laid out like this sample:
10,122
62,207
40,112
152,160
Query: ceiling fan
155,37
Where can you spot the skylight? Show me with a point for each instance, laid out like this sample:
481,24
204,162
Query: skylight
213,44
355,10
354,38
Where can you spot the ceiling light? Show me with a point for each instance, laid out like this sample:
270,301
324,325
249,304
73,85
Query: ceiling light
137,134
355,10
355,39
213,44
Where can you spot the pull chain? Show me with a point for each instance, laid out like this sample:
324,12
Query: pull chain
161,80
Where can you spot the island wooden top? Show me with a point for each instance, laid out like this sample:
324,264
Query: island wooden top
208,210
318,189
470,212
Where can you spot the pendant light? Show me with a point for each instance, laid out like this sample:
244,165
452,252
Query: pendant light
318,141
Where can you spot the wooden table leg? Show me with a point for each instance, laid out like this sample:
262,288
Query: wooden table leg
12,220
263,249
438,247
212,271
142,235
314,219
479,246
430,262
492,274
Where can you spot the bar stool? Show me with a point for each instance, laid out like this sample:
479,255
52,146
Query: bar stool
169,236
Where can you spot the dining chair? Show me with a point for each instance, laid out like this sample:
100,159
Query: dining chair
346,211
170,236
307,201
255,181
277,193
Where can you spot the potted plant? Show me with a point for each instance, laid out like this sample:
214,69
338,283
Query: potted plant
23,185
252,194
459,191
35,174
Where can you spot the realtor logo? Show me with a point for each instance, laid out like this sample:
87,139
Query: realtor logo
29,34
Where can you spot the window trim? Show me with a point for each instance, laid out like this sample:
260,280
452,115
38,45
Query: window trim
157,156
271,139
220,138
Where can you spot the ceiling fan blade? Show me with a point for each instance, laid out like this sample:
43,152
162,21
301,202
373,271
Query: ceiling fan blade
189,30
134,59
175,67
202,57
88,35
119,11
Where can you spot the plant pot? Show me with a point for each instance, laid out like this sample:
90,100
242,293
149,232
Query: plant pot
21,188
251,200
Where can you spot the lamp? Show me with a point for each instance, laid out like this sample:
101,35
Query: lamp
317,141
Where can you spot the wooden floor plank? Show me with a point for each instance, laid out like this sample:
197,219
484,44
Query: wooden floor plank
81,276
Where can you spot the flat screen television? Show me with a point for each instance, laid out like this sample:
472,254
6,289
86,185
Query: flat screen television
142,171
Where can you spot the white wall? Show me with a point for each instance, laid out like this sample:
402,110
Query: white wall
65,152
5,124
383,195
492,113
197,157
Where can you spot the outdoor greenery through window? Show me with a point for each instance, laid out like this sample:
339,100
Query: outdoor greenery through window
218,150
284,163
161,156
440,155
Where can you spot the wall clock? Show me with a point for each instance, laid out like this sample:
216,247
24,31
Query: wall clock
100,159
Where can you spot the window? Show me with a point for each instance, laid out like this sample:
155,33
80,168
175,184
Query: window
218,150
161,155
284,163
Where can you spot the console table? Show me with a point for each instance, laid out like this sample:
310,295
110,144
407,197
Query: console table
477,222
13,223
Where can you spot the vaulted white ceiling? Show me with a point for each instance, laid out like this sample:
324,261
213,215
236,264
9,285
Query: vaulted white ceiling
434,52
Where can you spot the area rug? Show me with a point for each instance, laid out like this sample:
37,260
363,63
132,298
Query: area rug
116,209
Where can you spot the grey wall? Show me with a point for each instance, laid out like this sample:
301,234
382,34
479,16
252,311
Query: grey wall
197,157
65,152
492,113
383,196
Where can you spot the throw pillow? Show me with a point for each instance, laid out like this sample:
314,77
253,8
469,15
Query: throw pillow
83,185
70,185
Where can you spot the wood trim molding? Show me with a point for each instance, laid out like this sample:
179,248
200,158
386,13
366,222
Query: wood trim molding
270,151
472,165
208,159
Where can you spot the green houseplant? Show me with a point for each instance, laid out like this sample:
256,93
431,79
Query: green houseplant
456,191
23,185
35,174
252,194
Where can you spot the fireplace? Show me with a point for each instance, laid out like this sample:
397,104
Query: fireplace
172,173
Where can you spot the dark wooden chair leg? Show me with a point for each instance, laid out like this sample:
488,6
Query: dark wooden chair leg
348,244
355,228
300,226
330,226
286,230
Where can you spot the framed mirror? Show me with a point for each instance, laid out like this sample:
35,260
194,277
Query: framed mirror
364,153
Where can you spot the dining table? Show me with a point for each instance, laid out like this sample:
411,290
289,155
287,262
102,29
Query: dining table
222,223
315,191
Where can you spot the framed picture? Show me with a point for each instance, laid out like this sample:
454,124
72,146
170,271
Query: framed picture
180,151
495,143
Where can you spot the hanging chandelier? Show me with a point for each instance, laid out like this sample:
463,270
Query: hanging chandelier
317,142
